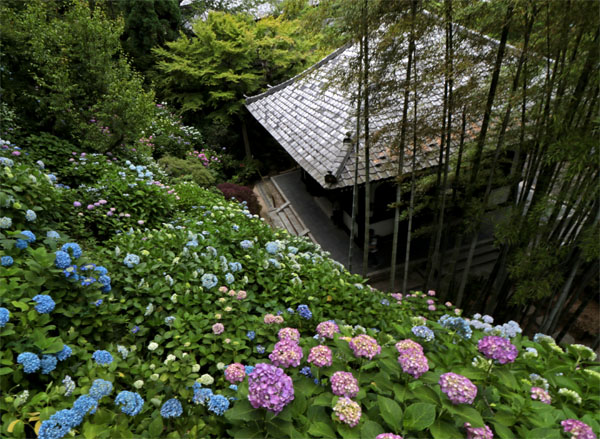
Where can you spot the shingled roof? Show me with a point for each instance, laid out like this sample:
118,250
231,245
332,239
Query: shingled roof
310,114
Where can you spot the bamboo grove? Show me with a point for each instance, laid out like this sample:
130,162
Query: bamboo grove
505,95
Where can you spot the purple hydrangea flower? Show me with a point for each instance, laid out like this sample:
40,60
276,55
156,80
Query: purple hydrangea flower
327,329
541,395
365,346
289,334
347,411
458,388
413,362
344,384
286,353
478,433
498,348
235,373
578,429
320,356
270,388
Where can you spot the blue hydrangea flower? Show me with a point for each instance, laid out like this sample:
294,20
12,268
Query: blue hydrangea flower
229,278
290,310
385,302
48,364
30,236
248,369
102,357
5,222
131,402
423,332
272,247
235,227
201,394
106,288
71,270
31,362
100,388
235,266
52,235
86,281
45,304
85,404
65,353
98,302
104,280
304,312
169,320
274,262
87,267
218,404
171,409
260,349
209,280
101,270
135,329
30,215
292,250
59,424
233,387
251,335
457,324
4,317
131,260
306,372
73,248
21,244
6,261
63,260
246,244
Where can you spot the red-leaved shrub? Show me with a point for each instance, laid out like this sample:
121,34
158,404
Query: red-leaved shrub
240,193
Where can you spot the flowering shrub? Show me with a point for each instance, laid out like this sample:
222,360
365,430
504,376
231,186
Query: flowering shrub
291,343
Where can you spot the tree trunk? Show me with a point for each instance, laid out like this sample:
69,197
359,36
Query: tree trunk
356,158
367,146
246,142
582,306
403,128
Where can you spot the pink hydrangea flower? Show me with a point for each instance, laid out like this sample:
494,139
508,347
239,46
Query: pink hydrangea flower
270,318
327,329
344,384
431,293
478,433
459,389
388,436
241,295
223,289
286,353
289,334
541,395
218,328
430,302
498,348
76,204
413,362
320,356
235,373
403,345
231,293
365,346
270,388
347,411
578,429
431,307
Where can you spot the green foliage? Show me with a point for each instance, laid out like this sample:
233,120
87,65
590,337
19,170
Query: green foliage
63,73
162,359
167,135
52,151
183,169
148,24
229,56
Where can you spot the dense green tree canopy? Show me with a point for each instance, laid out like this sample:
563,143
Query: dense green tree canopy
229,56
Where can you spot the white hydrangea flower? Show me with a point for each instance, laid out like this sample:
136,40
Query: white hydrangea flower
152,346
138,384
196,368
206,379
154,377
174,298
170,358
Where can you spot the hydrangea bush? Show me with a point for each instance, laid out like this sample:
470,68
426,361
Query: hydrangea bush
208,323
